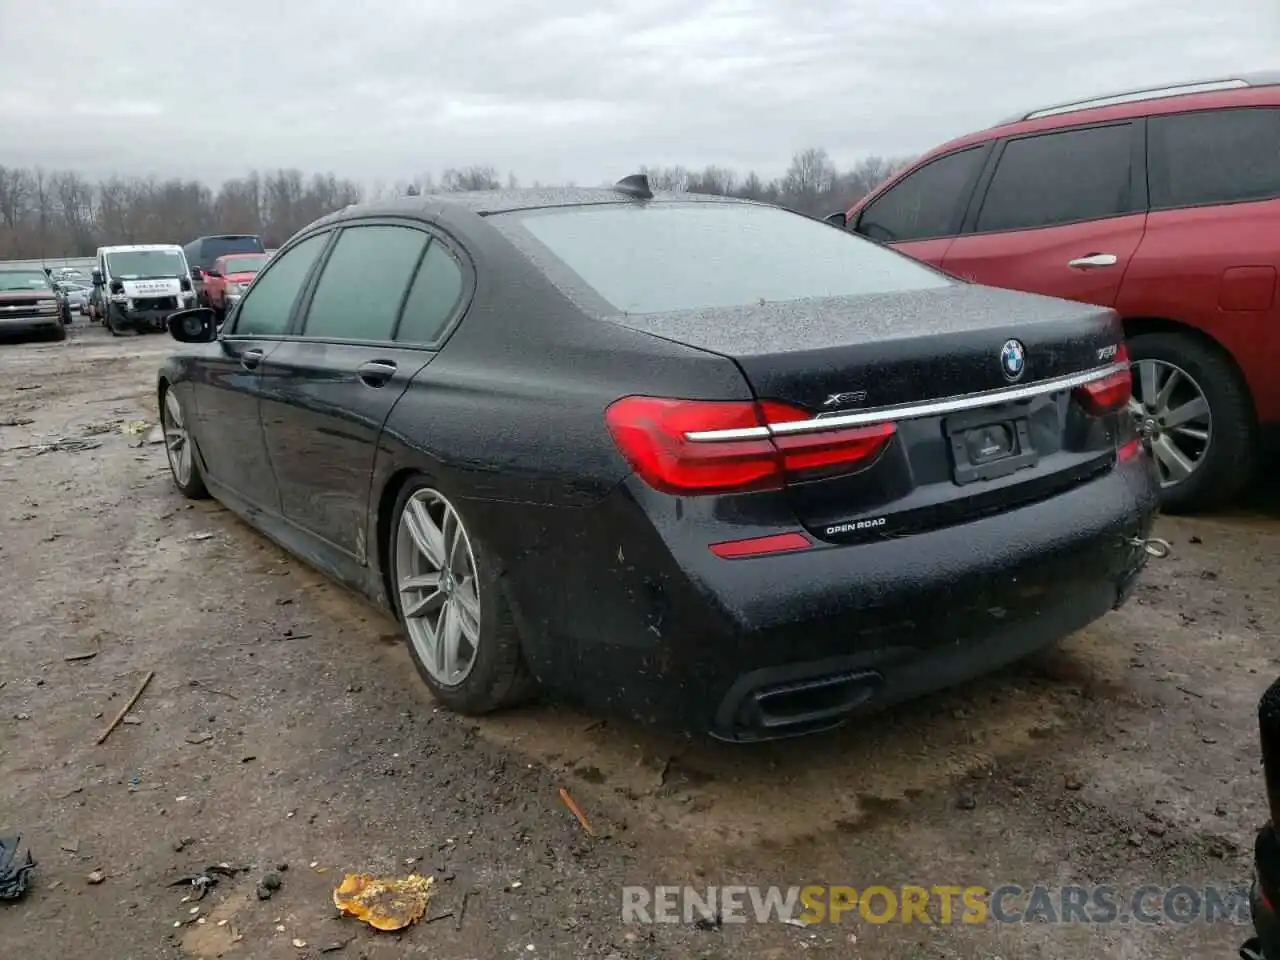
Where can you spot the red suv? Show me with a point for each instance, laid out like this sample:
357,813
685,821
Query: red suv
1163,204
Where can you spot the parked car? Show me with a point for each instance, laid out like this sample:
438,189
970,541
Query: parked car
203,251
698,460
76,296
140,285
29,303
1161,203
229,277
1265,945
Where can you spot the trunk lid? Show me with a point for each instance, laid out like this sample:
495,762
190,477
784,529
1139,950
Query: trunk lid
1013,438
893,349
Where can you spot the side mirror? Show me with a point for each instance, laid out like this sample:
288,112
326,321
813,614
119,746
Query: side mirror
197,325
97,278
212,273
197,273
837,219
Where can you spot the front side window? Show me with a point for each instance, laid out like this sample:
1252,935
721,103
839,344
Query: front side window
1058,178
924,204
146,264
664,257
267,308
359,293
241,264
1217,156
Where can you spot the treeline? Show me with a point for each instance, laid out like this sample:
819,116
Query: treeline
61,213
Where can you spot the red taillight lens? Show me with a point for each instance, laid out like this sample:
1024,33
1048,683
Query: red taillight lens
1110,393
652,434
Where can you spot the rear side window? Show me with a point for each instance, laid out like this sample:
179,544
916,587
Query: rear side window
926,203
435,293
1218,156
665,257
1058,178
363,283
267,308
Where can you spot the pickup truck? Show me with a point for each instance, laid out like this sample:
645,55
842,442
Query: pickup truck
229,277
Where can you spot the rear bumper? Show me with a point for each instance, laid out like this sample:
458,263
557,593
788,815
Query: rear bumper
777,646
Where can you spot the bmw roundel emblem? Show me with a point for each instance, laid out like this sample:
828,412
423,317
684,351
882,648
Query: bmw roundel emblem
1013,359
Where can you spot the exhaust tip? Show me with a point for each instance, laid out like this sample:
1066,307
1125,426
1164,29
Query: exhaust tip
809,705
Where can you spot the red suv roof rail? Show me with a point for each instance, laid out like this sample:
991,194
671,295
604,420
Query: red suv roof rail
1260,79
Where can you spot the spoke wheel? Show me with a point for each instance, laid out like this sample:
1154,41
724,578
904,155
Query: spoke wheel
1173,415
178,447
439,587
1192,405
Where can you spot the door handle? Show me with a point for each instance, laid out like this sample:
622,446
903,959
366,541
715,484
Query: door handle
1094,260
250,359
375,373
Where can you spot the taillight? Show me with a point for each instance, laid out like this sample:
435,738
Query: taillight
653,434
1110,393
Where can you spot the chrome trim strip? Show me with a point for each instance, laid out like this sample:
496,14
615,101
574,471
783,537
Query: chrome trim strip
912,411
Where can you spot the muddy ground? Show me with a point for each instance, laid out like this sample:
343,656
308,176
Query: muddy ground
284,725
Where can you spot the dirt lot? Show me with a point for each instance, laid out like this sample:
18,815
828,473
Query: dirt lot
284,725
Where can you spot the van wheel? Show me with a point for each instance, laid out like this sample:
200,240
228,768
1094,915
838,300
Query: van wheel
447,594
1190,402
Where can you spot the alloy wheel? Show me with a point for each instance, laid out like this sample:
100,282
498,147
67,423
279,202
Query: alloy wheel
177,441
438,587
1173,416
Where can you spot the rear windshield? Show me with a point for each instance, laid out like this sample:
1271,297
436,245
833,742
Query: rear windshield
665,257
215,247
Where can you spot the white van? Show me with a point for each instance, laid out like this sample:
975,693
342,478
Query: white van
137,287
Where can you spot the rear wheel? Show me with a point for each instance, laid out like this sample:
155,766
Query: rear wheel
446,592
180,447
1192,406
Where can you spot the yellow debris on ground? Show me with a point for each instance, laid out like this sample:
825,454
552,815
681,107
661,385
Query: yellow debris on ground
385,903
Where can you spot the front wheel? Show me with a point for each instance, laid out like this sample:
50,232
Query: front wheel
446,592
180,447
1192,406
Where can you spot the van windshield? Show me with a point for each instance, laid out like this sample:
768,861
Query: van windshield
146,264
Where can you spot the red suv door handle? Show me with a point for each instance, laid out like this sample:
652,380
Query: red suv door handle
1093,261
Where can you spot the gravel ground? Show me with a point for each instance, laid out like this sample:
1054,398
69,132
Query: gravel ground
284,725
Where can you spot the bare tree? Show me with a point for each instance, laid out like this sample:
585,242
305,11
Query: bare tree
60,213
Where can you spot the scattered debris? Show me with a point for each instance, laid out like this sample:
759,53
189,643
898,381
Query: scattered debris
1188,692
196,537
290,635
268,885
134,427
182,844
84,655
95,877
336,945
199,738
300,944
577,812
14,871
1072,782
137,695
384,903
15,421
462,908
201,882
60,445
205,686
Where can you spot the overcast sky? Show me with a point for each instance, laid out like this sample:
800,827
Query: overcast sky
569,90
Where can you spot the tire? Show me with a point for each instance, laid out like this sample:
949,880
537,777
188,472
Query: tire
191,483
110,324
497,676
1226,464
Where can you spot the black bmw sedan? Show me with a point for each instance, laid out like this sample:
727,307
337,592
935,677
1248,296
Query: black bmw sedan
700,461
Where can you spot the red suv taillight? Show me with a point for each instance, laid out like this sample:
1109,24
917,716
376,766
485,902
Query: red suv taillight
652,433
1110,393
